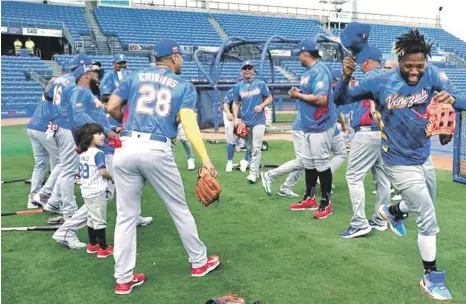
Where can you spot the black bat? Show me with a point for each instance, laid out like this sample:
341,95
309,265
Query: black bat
32,228
14,180
22,212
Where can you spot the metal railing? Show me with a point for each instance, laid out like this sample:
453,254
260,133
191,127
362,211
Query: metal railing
315,13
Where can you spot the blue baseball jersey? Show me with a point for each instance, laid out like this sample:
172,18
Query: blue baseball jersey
317,80
60,92
41,117
250,95
403,109
111,81
86,108
92,183
154,97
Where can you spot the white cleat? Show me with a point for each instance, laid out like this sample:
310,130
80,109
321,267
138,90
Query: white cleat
397,198
191,164
243,165
229,166
73,243
32,206
252,178
287,192
144,221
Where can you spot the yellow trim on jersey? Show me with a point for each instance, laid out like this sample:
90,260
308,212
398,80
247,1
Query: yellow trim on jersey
193,134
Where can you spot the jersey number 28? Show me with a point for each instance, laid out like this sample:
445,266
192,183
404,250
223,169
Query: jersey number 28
147,95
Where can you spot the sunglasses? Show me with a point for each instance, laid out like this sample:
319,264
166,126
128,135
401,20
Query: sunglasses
247,68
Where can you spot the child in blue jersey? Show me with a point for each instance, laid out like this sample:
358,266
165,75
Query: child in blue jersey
402,95
254,96
94,175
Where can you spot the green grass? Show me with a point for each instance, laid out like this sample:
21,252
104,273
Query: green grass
267,252
285,117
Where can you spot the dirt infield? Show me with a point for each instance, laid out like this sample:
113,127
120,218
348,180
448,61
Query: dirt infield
440,162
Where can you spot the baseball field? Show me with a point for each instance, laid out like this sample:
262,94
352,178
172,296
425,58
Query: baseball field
267,252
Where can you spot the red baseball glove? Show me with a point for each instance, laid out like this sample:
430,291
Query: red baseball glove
207,187
441,119
241,130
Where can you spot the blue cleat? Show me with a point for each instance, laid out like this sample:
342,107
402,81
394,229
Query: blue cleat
396,225
355,232
434,285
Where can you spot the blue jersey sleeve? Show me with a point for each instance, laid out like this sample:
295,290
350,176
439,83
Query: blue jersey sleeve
123,90
99,159
79,100
365,89
106,86
235,93
440,82
265,90
320,83
189,97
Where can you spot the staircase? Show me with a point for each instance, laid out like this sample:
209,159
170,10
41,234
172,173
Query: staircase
56,69
101,43
291,77
218,28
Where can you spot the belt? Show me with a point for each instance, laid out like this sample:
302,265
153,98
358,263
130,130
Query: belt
134,134
366,129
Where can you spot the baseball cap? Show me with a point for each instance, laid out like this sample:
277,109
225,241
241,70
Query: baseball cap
79,60
81,70
337,73
308,45
355,36
247,63
117,58
167,47
369,52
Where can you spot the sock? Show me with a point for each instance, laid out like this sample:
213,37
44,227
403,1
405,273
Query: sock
188,148
230,151
101,238
395,211
326,184
92,236
403,207
428,248
311,182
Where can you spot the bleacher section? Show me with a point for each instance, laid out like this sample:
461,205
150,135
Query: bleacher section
48,16
134,62
20,95
259,27
148,26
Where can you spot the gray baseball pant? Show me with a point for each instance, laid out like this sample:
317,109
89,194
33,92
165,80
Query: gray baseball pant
316,149
134,163
365,155
254,143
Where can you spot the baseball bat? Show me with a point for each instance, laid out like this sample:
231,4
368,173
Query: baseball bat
14,180
32,228
23,212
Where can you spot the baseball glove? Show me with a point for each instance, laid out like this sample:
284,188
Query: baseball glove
207,187
241,130
440,119
229,298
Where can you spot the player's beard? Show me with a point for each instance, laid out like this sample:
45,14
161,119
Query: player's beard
95,87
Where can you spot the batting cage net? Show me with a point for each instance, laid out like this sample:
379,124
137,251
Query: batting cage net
459,149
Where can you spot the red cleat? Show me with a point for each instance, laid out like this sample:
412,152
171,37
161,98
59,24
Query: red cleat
138,279
92,248
324,213
103,253
308,204
212,262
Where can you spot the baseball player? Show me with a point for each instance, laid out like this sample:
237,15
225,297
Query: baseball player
85,109
59,129
318,119
187,147
402,95
155,97
43,150
94,185
231,137
295,168
112,79
364,156
254,96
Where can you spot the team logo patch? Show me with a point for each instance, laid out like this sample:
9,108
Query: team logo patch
175,49
305,80
443,76
320,85
364,36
